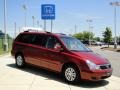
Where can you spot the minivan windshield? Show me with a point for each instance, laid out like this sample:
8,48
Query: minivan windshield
74,44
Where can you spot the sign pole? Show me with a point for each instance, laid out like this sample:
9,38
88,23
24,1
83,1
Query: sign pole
51,25
44,25
48,13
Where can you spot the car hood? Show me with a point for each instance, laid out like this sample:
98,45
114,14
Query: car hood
96,58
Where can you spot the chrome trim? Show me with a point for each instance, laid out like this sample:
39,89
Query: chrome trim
108,66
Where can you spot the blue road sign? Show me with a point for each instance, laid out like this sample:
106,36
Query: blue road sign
48,11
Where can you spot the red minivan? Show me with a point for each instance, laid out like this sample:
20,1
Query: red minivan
60,53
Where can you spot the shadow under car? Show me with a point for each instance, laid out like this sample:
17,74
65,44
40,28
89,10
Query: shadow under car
57,77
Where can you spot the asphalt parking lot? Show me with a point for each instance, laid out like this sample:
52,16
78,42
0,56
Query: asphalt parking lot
31,78
113,57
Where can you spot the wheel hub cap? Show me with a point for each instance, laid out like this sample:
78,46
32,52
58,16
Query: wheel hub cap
19,60
70,74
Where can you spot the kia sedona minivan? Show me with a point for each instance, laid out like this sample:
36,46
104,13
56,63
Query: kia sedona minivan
60,53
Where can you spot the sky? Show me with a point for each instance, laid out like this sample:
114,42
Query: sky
69,13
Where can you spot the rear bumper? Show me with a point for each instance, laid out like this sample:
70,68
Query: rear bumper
96,75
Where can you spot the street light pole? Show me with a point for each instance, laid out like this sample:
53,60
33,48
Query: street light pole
75,29
24,7
15,29
19,29
115,4
5,35
33,20
89,21
38,24
115,42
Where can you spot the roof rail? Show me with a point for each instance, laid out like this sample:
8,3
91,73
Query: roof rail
60,33
31,30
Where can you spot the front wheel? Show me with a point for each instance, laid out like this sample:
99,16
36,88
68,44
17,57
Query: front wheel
71,74
20,61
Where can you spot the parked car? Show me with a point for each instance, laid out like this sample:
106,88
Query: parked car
86,42
60,53
99,43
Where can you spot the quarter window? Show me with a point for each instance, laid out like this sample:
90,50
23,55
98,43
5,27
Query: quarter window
24,38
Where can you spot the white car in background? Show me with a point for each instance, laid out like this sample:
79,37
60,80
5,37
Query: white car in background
99,43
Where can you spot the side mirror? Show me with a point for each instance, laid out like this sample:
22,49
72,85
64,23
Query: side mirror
58,47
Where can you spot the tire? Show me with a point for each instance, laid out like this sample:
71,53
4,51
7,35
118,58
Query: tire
71,74
20,62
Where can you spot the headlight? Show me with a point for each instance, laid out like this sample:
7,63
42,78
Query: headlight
92,66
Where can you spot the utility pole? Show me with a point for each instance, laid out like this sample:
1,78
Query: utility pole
5,34
115,4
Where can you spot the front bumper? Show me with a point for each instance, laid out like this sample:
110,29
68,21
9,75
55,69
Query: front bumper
96,75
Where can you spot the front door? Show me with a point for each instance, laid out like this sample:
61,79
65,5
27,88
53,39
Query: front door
54,58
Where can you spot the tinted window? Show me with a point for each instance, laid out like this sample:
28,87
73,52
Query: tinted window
17,39
40,40
51,42
24,38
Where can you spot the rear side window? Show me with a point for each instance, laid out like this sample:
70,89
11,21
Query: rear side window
24,38
40,40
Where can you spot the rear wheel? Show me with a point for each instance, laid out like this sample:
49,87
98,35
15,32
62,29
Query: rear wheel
71,74
20,61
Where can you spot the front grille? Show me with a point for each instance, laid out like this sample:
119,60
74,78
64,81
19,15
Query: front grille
107,66
104,77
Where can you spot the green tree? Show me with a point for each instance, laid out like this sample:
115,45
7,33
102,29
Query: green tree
1,34
79,36
85,35
97,39
107,34
88,35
